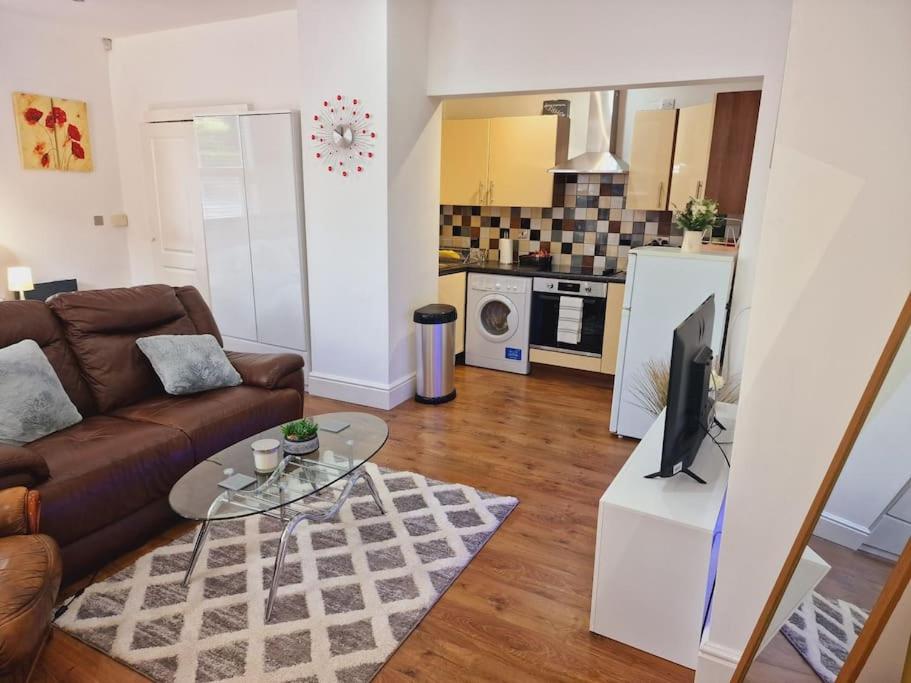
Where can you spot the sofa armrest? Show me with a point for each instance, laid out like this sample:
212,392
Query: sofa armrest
267,370
18,511
21,467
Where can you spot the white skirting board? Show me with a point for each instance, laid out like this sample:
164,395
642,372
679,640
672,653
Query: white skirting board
841,531
372,394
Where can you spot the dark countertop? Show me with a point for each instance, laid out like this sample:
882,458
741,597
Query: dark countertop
495,267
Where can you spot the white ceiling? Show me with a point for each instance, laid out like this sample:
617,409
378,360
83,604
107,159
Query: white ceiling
114,18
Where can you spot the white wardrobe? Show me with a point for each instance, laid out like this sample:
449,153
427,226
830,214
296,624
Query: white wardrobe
252,214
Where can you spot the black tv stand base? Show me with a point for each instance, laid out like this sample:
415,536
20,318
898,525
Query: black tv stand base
685,470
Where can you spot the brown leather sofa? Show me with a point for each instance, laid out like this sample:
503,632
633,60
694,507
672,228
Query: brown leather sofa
29,581
104,482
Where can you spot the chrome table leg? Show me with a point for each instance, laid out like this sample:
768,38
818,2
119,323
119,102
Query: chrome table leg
197,551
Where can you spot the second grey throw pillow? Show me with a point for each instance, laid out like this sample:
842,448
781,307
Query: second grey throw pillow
189,363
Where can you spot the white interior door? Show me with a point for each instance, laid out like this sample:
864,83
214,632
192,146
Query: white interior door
175,216
227,233
276,234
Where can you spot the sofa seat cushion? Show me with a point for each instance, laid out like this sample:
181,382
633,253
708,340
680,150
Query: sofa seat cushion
103,469
218,418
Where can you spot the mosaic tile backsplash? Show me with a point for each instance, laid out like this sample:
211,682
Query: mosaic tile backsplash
588,228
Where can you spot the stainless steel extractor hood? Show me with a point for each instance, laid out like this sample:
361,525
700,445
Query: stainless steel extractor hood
601,138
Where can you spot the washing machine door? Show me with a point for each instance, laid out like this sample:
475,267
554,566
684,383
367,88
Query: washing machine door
496,318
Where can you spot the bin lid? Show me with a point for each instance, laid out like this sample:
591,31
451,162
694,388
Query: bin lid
433,314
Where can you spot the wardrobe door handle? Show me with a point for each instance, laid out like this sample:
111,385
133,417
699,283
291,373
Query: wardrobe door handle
660,193
698,188
489,192
481,192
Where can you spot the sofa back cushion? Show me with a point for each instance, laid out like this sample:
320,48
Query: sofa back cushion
102,327
32,320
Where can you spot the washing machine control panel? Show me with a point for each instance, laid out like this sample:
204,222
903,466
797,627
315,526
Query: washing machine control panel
494,283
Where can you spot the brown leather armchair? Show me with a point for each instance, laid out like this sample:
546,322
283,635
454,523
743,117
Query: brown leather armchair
30,570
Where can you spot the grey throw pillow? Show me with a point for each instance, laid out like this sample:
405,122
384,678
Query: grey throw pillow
33,402
189,363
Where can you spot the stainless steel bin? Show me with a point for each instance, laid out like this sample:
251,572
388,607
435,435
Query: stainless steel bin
435,340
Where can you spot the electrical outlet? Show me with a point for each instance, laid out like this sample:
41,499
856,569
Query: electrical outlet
99,220
668,103
119,220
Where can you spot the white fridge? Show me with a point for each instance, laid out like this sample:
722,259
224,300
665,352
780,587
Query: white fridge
663,286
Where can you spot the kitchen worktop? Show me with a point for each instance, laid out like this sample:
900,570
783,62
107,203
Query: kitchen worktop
560,272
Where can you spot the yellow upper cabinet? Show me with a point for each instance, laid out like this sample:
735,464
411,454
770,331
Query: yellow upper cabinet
691,153
501,161
463,170
650,159
522,149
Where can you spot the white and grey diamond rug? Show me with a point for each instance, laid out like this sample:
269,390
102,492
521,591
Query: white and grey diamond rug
823,631
352,590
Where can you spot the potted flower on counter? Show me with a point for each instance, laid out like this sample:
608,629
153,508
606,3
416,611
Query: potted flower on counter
300,436
698,216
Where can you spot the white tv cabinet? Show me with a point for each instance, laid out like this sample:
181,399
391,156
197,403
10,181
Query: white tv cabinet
654,548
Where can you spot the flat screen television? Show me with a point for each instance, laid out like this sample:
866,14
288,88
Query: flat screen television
689,409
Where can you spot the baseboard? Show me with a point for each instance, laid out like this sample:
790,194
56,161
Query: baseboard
842,531
715,663
363,393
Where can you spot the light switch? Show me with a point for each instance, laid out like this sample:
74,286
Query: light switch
119,220
99,220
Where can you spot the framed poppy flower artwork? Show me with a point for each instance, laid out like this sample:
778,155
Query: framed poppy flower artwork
53,133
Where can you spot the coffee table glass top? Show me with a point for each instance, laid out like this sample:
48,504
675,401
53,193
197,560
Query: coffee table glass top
197,494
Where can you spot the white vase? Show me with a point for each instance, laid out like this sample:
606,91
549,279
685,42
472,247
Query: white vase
692,240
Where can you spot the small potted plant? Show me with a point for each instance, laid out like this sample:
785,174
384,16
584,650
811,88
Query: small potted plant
694,220
300,436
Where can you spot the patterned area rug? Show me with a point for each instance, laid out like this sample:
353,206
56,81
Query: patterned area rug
823,631
352,590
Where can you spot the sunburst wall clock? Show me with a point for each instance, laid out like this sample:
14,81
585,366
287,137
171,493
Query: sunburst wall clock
343,136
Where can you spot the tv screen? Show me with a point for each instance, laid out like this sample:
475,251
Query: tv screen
688,410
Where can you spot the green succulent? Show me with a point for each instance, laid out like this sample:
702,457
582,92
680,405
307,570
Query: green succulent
300,430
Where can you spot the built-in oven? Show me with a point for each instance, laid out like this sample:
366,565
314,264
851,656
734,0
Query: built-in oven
555,323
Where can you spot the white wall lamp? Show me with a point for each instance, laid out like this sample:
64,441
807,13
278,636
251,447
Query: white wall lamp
19,279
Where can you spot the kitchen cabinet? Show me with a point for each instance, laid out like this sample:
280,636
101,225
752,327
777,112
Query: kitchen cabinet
733,136
522,149
691,153
650,159
501,161
451,290
463,172
612,316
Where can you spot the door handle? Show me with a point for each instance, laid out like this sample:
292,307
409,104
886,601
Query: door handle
481,192
698,188
660,193
489,192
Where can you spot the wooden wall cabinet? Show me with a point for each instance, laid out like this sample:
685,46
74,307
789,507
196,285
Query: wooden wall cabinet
650,159
733,136
700,151
691,154
501,161
451,290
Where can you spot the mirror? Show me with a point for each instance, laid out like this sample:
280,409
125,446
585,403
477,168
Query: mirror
832,585
342,136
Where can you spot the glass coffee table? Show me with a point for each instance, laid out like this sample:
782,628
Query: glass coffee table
299,489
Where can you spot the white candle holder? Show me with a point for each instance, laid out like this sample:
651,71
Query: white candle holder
266,455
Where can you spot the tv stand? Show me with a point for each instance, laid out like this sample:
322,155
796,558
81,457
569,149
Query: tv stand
653,557
685,470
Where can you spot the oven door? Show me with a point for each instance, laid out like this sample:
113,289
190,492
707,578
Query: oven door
545,314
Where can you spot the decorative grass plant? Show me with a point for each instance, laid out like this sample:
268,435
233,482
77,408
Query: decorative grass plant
650,387
300,430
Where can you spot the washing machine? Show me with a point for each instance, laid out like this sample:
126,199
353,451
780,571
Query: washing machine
497,319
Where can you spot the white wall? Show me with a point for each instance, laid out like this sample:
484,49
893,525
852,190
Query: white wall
46,216
526,105
816,332
244,61
878,467
639,99
509,46
371,238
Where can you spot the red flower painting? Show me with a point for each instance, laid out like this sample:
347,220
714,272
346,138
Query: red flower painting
61,142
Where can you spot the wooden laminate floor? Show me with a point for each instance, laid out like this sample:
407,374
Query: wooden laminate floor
519,611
